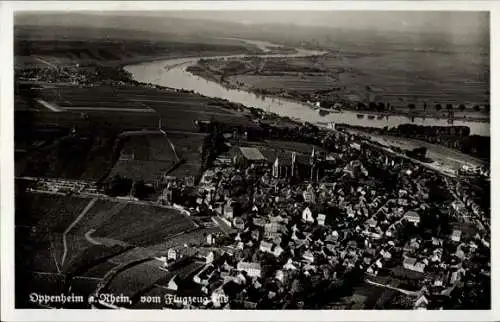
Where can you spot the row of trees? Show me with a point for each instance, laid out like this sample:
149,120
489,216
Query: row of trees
381,106
122,186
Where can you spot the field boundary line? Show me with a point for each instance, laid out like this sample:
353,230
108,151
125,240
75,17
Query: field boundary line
110,109
80,216
40,59
172,146
111,274
87,278
406,292
50,106
45,273
142,103
52,251
90,239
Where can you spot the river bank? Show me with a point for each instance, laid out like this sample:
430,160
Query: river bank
174,74
429,113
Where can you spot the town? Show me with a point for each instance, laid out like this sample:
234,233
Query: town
303,226
297,239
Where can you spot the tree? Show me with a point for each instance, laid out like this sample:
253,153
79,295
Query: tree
438,107
118,186
476,108
401,302
449,107
411,106
461,107
141,190
425,106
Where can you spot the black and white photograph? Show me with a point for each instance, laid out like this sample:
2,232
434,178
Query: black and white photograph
284,160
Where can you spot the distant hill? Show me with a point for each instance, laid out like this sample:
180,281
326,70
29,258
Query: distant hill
171,26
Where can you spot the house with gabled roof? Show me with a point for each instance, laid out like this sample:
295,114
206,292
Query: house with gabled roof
456,235
307,215
412,217
421,303
253,269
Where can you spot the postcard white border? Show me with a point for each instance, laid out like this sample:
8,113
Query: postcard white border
7,165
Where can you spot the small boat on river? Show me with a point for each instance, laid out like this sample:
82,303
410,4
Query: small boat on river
323,112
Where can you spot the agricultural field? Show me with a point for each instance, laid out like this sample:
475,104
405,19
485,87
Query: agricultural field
350,75
90,152
278,83
48,212
142,226
99,270
40,236
35,250
137,278
82,156
131,108
145,155
22,104
72,44
137,170
187,146
41,283
147,146
193,237
148,155
82,238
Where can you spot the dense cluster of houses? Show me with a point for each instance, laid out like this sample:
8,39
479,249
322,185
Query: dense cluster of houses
300,219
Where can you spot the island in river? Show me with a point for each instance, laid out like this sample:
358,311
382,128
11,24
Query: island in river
354,81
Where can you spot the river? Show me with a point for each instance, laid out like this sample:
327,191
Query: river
172,73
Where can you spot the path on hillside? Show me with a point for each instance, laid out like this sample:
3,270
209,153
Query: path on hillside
40,59
50,106
90,239
80,216
406,292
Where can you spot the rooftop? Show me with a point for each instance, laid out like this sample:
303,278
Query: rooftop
252,154
248,265
412,214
